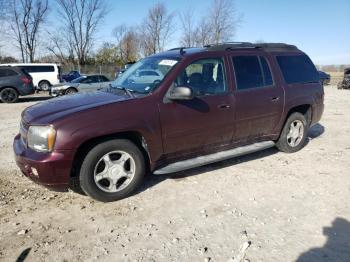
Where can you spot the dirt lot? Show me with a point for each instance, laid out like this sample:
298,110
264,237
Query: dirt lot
288,206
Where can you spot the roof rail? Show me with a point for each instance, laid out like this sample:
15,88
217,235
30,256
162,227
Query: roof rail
242,45
182,51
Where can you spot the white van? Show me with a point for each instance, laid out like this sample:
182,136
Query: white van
44,75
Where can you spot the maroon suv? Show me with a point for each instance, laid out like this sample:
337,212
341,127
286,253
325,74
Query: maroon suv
172,111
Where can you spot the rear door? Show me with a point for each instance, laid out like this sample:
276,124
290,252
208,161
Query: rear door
190,126
259,99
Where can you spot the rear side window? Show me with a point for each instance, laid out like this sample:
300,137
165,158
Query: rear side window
251,72
297,69
38,69
7,72
103,79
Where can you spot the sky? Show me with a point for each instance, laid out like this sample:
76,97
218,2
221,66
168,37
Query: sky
321,28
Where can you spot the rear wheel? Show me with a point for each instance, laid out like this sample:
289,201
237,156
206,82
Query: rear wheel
8,95
293,135
44,85
70,91
112,170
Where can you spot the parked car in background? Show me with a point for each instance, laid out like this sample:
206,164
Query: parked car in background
14,82
146,76
210,104
70,76
126,66
44,75
325,78
345,82
81,84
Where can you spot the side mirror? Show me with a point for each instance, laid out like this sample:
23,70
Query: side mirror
180,93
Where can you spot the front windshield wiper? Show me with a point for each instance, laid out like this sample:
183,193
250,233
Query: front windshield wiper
126,90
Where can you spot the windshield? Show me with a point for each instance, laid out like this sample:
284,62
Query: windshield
77,80
145,75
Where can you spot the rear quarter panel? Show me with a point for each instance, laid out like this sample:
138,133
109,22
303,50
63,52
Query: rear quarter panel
300,94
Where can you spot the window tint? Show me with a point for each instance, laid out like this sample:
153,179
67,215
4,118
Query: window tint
251,72
103,79
38,69
7,72
205,77
297,69
92,79
85,80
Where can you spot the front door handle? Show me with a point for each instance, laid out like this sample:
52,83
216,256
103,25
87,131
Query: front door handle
224,106
275,99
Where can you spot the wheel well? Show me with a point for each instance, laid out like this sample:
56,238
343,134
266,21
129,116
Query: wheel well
71,88
84,148
305,109
44,81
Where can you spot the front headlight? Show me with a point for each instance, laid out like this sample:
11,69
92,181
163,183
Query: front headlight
41,138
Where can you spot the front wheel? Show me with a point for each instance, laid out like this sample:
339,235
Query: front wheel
293,135
70,91
112,170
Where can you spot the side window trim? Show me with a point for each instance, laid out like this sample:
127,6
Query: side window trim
263,71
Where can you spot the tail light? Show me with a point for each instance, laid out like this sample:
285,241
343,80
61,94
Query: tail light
26,80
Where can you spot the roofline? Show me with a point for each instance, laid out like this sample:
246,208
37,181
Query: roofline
28,64
231,46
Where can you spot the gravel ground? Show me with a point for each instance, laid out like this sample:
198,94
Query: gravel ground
267,206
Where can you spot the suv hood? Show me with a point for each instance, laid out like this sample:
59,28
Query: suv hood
53,109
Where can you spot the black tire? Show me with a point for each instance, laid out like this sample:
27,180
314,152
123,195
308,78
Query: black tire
70,91
44,85
92,160
284,143
8,95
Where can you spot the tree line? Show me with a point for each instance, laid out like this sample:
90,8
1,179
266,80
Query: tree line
72,41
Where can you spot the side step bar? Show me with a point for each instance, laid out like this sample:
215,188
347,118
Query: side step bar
212,158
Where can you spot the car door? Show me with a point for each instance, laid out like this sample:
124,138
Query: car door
189,126
259,99
89,84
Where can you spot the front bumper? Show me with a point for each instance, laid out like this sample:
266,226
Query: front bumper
51,170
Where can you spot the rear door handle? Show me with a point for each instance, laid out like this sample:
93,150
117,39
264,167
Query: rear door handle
224,106
275,99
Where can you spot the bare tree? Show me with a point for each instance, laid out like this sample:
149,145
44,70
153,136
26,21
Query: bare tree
156,29
81,19
188,28
27,18
127,43
223,20
202,35
61,48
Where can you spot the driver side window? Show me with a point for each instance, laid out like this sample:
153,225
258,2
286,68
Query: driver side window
204,76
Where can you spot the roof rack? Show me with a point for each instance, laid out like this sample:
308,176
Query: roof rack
247,45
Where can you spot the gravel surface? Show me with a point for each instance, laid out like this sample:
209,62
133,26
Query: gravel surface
267,206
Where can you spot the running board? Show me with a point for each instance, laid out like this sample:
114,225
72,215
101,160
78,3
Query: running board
212,158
